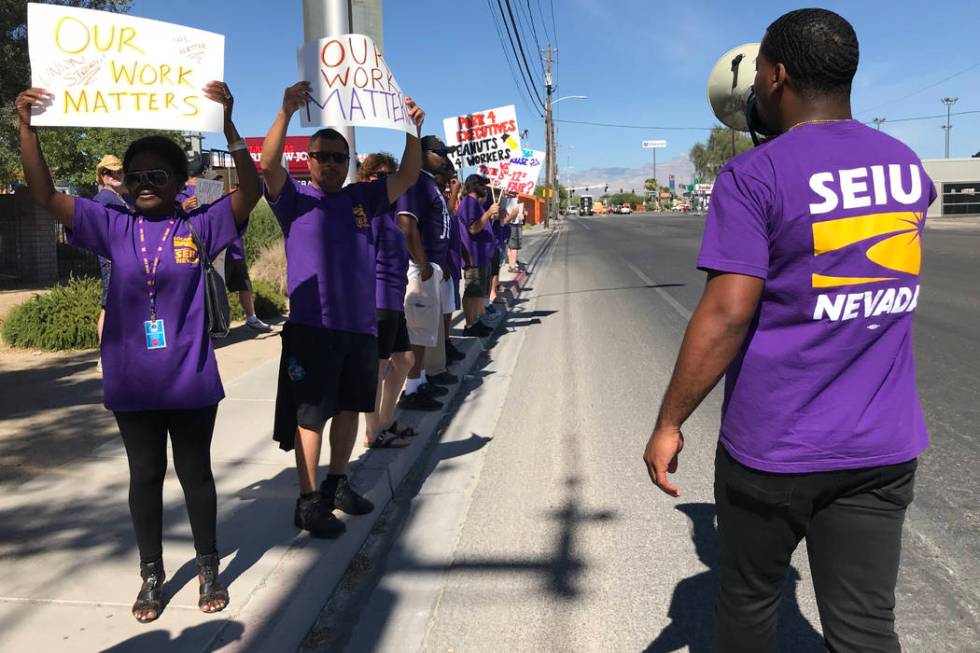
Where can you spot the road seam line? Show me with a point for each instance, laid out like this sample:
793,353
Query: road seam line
676,305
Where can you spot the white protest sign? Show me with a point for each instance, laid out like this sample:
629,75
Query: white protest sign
208,191
519,174
483,138
113,70
352,85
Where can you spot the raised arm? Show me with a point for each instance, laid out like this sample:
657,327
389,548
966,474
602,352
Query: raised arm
275,141
36,171
411,162
488,215
249,186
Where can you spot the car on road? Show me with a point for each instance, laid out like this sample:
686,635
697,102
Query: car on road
626,209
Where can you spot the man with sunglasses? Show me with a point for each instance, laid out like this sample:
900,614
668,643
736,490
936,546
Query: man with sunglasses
329,364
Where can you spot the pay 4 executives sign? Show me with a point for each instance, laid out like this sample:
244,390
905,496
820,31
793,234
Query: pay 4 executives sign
113,70
483,138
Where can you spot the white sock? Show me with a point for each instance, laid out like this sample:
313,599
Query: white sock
412,386
424,377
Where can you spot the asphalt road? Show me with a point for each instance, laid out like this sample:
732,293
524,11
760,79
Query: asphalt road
560,542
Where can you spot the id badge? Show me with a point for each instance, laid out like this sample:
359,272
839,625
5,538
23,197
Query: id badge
156,336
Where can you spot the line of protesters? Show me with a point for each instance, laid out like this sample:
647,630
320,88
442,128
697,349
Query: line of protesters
374,273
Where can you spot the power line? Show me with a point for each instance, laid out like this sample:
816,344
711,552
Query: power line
938,115
527,98
622,126
544,23
534,32
520,46
923,89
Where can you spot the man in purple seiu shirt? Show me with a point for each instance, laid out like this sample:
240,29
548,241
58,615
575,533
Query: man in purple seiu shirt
329,364
812,247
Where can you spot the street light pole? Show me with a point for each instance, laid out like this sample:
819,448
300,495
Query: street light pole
949,102
332,18
877,122
548,146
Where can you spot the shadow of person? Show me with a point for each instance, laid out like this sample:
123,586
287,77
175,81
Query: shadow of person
692,605
194,638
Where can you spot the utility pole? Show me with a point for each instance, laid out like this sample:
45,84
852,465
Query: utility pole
877,122
949,102
332,18
549,144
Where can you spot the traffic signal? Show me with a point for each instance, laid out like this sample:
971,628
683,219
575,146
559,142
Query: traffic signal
620,191
632,191
607,189
586,189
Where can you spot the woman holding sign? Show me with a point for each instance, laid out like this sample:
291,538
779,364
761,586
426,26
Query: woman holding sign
159,369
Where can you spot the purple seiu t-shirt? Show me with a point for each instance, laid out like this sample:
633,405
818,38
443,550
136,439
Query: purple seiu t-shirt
235,250
106,197
184,374
482,243
391,263
330,255
464,235
426,203
454,255
831,217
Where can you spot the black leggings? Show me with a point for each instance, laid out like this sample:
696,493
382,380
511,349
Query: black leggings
145,435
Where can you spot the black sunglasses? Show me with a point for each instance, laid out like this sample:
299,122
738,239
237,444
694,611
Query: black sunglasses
381,174
158,178
324,157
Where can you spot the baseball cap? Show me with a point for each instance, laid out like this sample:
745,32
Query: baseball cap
109,162
433,143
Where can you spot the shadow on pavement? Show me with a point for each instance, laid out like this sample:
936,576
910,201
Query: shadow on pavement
693,604
189,639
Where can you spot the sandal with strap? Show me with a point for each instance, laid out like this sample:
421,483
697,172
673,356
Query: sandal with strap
388,440
211,588
150,597
407,432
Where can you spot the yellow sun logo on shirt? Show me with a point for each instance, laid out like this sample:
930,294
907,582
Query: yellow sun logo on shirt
891,241
360,218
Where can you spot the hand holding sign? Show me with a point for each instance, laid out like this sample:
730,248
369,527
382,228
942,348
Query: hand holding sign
296,97
220,93
415,113
32,101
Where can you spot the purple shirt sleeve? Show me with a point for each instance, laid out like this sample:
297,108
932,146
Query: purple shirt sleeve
284,206
91,224
408,203
470,210
215,223
736,234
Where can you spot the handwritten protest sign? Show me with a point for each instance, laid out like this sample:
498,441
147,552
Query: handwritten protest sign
352,85
208,191
519,174
484,138
113,70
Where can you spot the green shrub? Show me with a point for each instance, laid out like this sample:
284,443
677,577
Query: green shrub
271,266
263,230
64,318
268,302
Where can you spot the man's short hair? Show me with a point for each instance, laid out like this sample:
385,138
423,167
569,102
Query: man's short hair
818,47
329,134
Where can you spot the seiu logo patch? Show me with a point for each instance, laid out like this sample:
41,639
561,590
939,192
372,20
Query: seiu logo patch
185,251
360,218
867,249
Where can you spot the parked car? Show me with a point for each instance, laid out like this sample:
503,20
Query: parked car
626,210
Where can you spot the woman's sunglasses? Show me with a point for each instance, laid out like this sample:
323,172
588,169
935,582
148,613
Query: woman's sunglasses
324,157
158,178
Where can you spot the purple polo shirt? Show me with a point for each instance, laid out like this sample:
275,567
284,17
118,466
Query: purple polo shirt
184,374
391,263
426,203
482,243
832,217
330,255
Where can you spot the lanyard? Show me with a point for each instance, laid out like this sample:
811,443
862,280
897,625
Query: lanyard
151,272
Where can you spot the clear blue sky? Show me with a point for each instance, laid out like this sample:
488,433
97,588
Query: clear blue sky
640,62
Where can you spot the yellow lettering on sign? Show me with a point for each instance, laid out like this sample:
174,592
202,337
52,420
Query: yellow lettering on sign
192,108
72,36
63,25
79,106
182,76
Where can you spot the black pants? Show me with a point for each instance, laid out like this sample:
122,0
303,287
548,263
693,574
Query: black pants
852,522
145,435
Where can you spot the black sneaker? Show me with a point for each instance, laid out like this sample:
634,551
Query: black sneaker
477,330
345,498
434,391
418,401
453,354
443,378
313,515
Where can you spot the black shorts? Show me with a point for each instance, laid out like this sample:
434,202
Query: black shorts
515,237
236,275
476,281
392,333
321,373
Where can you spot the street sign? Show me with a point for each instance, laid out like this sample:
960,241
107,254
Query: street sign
654,145
690,187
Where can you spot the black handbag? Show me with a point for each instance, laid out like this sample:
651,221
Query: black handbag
215,295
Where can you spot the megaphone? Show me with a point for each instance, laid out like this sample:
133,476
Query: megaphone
730,91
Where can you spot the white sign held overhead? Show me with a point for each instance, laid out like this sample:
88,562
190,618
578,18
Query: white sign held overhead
518,175
654,145
483,138
208,191
352,85
113,70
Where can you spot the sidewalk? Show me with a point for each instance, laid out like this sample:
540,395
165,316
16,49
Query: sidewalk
68,562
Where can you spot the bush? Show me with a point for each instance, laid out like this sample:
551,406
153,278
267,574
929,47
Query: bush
270,266
263,231
64,318
268,302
